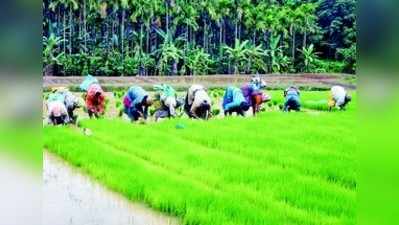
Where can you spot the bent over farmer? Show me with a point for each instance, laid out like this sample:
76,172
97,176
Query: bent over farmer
168,100
70,101
136,103
339,97
197,103
234,101
57,111
95,96
292,100
254,96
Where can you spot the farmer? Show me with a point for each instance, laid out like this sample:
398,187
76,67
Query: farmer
169,102
234,101
292,101
95,97
57,112
339,98
136,103
71,102
253,94
257,82
95,100
258,98
197,103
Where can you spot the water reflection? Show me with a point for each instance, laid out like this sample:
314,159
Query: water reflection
71,198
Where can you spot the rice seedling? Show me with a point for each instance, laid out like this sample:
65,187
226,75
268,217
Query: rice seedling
276,168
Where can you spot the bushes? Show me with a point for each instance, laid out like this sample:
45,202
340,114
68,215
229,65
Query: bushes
349,56
100,63
330,66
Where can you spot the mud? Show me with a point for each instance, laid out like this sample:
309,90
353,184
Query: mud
70,198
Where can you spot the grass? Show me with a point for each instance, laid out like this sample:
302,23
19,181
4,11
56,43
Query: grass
277,168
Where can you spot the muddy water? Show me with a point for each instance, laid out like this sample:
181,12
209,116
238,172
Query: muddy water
72,198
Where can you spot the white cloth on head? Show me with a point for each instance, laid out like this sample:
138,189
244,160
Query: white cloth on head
338,94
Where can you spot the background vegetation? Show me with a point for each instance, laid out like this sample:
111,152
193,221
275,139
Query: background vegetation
195,37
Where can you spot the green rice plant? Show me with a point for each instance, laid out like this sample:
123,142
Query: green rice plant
118,104
215,111
276,168
320,105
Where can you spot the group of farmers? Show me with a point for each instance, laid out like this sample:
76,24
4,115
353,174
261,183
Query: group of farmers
196,104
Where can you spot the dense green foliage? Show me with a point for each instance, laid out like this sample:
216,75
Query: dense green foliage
277,168
193,37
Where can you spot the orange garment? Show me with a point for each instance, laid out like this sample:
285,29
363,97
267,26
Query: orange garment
95,99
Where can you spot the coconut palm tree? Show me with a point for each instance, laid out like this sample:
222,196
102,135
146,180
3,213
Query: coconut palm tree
187,16
54,5
124,5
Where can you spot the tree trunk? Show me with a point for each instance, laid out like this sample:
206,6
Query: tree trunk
193,38
167,17
141,37
112,32
187,34
142,69
84,24
174,67
122,32
220,39
239,31
149,50
70,30
304,39
293,44
236,31
224,31
80,25
254,37
57,17
64,32
204,37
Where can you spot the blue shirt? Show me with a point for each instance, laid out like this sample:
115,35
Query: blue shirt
136,95
233,97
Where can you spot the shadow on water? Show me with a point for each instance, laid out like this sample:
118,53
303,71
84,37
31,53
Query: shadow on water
72,198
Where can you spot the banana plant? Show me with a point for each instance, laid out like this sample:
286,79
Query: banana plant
51,54
309,58
169,53
255,59
278,61
237,54
198,61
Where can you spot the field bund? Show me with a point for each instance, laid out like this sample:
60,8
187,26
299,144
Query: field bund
275,81
276,168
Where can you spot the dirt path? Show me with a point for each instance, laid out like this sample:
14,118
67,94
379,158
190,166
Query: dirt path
71,198
273,80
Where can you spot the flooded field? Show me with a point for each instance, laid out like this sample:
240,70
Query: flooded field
69,198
